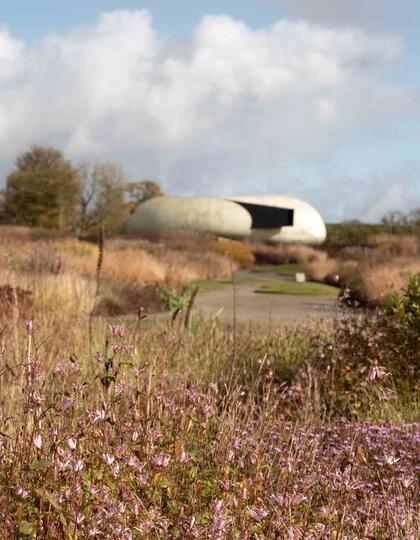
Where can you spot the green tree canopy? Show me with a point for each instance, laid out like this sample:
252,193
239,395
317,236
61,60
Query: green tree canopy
138,192
42,190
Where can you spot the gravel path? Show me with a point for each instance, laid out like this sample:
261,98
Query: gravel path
266,309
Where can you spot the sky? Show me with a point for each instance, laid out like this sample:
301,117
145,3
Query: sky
316,99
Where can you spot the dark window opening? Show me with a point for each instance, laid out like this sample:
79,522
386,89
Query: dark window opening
268,217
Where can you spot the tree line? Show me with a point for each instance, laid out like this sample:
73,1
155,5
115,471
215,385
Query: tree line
46,190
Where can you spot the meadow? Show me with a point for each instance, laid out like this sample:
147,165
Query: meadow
125,425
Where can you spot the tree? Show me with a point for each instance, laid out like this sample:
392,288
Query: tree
107,199
138,192
102,201
414,217
42,190
396,217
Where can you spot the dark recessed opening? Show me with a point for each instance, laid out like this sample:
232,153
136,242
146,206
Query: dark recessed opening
268,217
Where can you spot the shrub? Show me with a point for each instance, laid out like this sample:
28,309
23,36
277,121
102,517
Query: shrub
387,342
240,252
395,245
173,299
370,284
400,320
118,299
182,267
132,266
321,267
267,254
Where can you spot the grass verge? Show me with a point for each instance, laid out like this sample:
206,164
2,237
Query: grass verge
238,280
292,287
280,269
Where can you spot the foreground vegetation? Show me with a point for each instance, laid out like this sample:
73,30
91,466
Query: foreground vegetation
177,428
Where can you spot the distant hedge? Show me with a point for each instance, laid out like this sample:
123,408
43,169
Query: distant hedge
357,234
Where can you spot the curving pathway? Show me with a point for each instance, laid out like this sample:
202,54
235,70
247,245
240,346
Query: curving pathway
266,309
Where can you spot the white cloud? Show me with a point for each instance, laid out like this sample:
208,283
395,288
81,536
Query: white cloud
221,112
368,197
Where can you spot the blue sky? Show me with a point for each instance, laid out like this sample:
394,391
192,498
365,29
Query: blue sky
318,100
32,20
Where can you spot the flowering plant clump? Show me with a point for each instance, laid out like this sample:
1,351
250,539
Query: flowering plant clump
365,361
164,433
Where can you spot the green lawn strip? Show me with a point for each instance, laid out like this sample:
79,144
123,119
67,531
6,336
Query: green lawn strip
292,287
280,269
206,284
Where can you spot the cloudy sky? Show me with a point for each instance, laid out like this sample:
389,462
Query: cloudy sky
314,98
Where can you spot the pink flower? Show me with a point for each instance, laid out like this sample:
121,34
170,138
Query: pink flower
21,492
297,499
406,482
122,387
94,530
117,330
217,506
257,513
38,441
108,459
36,399
96,416
225,485
71,443
230,456
161,460
390,459
135,463
78,465
78,518
377,372
141,480
61,369
29,327
65,402
184,457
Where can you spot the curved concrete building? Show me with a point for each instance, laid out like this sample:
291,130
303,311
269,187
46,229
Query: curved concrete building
202,214
271,218
306,227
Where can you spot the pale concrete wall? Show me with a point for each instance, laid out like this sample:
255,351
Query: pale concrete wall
308,226
202,214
